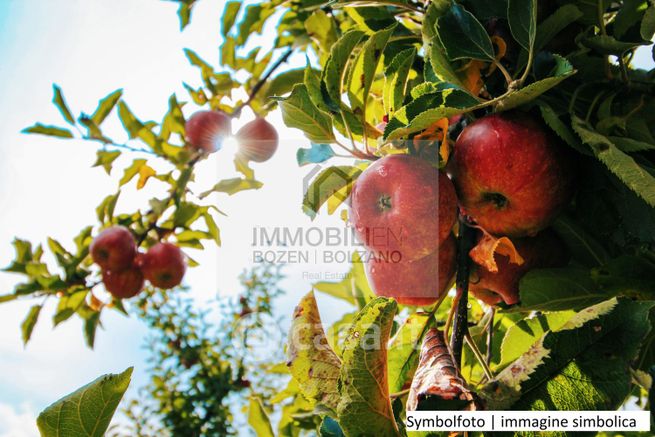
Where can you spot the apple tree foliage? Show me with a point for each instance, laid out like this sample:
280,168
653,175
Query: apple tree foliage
415,66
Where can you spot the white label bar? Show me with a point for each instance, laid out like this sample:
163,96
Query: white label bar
528,421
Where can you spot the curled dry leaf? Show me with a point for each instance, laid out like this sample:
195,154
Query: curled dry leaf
484,252
437,379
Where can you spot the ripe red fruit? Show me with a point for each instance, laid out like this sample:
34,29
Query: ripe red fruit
114,249
163,265
257,140
419,282
124,284
512,175
402,203
205,130
544,250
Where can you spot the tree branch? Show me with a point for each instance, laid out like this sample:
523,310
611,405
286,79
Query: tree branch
258,86
460,325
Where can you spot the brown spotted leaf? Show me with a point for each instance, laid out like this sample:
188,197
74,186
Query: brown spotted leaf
437,379
365,407
488,246
312,363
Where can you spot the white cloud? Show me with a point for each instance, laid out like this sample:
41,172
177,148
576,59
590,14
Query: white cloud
17,421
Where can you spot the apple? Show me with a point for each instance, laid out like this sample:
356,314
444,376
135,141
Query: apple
401,203
545,250
420,282
205,130
124,284
163,265
257,140
512,175
114,249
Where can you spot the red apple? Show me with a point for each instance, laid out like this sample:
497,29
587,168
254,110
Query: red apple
257,140
205,130
401,203
124,284
512,175
545,250
114,249
163,265
420,282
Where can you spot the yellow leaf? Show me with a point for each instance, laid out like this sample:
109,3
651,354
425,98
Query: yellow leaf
145,172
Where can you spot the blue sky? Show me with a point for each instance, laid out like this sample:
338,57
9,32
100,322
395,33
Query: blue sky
91,48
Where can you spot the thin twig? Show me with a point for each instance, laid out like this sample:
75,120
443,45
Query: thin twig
460,324
478,356
262,81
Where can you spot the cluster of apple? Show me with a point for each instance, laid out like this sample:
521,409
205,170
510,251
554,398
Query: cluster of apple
403,212
510,178
125,269
257,140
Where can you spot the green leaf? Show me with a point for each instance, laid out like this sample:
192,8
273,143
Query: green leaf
299,112
647,28
549,28
87,411
335,66
562,130
312,82
311,361
519,97
404,350
630,145
582,246
428,109
435,55
105,159
253,21
60,103
353,288
322,28
462,35
578,366
229,16
334,181
132,171
51,131
629,14
554,24
30,322
364,68
232,186
395,80
184,12
8,297
365,407
90,327
69,304
608,45
526,332
258,419
522,18
559,290
105,211
105,106
622,165
315,155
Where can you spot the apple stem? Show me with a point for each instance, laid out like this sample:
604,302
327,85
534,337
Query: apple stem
460,324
